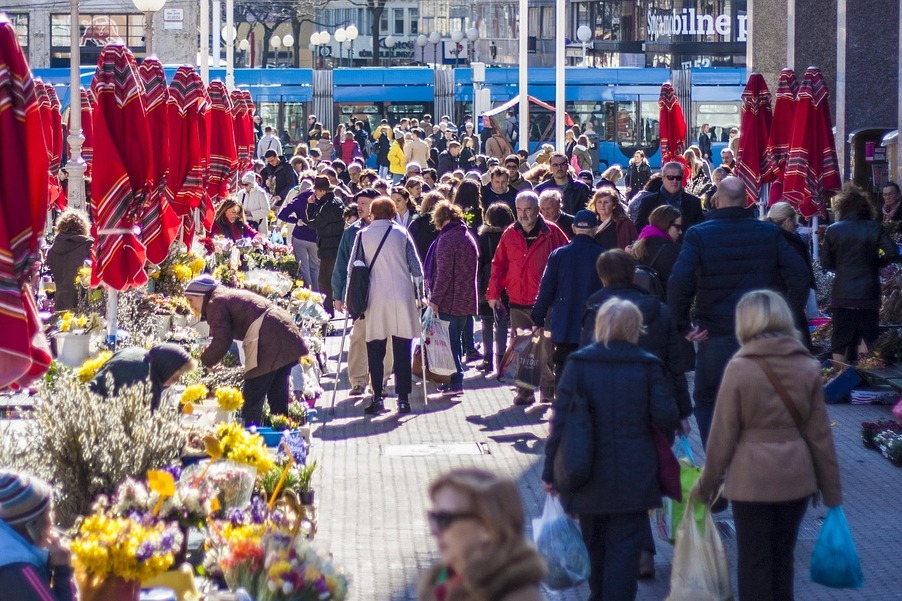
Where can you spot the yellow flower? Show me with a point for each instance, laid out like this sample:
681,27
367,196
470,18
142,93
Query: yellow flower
182,273
81,321
229,398
90,367
197,265
194,393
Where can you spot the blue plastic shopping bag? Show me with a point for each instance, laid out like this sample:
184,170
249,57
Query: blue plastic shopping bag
835,562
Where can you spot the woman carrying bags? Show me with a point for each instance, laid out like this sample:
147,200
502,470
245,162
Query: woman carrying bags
771,437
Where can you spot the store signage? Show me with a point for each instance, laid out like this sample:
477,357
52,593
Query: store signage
173,18
689,22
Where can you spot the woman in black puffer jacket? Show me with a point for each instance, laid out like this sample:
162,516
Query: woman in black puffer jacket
494,331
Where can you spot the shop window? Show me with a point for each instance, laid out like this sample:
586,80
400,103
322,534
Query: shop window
19,22
547,22
398,21
413,15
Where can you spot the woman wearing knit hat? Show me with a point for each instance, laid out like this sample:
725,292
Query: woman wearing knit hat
35,565
160,367
271,341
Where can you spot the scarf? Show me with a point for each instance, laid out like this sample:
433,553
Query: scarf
889,211
651,231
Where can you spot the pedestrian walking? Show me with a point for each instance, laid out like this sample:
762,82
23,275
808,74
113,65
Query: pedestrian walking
70,249
657,247
672,193
397,162
615,230
495,321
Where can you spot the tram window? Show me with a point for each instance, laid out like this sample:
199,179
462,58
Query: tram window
721,116
625,122
649,127
295,120
411,110
585,112
269,113
370,113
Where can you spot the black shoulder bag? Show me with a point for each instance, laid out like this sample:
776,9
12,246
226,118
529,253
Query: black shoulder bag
357,294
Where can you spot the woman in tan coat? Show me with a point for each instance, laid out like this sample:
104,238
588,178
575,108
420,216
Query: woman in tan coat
477,520
776,454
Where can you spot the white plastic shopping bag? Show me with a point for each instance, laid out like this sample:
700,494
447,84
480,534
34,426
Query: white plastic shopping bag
438,345
561,545
700,570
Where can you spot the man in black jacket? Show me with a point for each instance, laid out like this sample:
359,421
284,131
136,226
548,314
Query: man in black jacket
278,176
325,214
671,193
449,160
724,257
576,194
498,189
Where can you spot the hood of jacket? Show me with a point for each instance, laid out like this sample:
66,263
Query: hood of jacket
66,243
15,549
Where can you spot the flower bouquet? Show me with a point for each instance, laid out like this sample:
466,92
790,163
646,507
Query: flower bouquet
89,368
884,435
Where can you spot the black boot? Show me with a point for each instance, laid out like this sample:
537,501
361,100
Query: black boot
375,407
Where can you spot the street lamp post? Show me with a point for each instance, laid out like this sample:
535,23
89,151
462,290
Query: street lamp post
244,46
276,42
75,166
228,36
434,39
288,42
457,36
314,48
340,37
584,34
422,40
472,36
351,33
390,43
324,38
148,7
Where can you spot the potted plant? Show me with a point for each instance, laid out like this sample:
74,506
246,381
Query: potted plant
305,483
73,337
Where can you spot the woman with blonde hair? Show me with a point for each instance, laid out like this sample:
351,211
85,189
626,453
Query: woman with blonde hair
616,230
477,519
771,438
698,179
625,390
783,216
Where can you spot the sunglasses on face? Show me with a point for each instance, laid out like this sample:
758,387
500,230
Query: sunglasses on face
558,164
442,520
673,178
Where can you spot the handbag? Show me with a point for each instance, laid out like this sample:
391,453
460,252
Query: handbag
668,466
416,368
576,448
357,294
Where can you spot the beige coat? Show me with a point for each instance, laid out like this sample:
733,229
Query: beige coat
416,151
754,439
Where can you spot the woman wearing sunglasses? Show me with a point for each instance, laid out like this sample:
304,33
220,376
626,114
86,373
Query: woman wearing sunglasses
477,520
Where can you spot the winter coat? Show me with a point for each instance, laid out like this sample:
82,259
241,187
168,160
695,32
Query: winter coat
509,571
284,178
754,439
636,177
326,149
347,150
690,207
294,210
423,232
66,256
451,278
230,313
497,147
565,222
619,233
417,151
726,256
256,205
569,280
447,163
326,216
661,255
660,338
25,574
383,144
392,309
583,158
801,247
851,248
397,163
268,143
626,391
342,258
516,268
132,366
576,194
235,230
488,240
490,197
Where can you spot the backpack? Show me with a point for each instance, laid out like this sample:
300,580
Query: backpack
648,279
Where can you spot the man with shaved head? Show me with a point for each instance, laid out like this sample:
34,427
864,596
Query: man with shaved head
722,258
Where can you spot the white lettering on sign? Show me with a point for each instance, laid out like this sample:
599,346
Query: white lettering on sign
689,22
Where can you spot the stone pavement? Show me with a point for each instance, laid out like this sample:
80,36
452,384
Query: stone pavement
375,472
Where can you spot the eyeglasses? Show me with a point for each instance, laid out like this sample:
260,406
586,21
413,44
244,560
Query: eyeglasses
558,164
677,226
673,178
442,520
512,166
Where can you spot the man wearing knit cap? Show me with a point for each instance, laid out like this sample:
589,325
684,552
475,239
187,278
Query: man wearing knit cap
271,341
35,565
160,367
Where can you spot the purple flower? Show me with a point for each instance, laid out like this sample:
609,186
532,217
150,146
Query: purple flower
145,551
296,444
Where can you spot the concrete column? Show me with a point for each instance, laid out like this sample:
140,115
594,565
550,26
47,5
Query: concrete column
766,50
177,46
39,37
867,70
812,39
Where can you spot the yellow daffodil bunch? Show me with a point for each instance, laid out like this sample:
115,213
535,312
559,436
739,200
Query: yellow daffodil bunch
182,273
241,446
229,398
194,393
77,324
197,264
305,294
124,547
83,277
89,368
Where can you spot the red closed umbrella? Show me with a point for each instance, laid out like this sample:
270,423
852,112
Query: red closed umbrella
123,164
780,132
239,120
672,128
160,224
223,150
751,159
56,123
185,109
46,112
811,166
24,173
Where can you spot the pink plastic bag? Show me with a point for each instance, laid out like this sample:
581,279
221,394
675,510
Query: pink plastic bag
897,411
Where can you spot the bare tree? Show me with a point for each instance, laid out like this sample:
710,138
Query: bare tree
376,8
270,14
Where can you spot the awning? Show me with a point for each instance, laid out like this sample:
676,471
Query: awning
890,138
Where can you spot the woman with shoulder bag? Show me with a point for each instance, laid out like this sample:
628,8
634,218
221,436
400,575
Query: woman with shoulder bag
626,391
771,437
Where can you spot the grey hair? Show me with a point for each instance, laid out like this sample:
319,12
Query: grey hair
530,196
551,193
672,165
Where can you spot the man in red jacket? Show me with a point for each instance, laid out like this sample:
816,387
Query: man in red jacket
517,269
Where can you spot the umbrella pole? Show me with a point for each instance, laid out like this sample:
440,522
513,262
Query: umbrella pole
815,247
112,317
341,350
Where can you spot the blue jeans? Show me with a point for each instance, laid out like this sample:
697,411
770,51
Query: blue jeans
614,542
307,256
396,178
710,362
456,332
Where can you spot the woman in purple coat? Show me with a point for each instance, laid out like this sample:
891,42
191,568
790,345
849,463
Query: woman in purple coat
451,265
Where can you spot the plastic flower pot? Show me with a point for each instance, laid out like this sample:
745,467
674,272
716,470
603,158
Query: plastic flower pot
72,349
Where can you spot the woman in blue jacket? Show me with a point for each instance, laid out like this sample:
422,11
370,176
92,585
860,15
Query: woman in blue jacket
35,565
626,391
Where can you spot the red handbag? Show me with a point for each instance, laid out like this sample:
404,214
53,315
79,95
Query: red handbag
668,466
